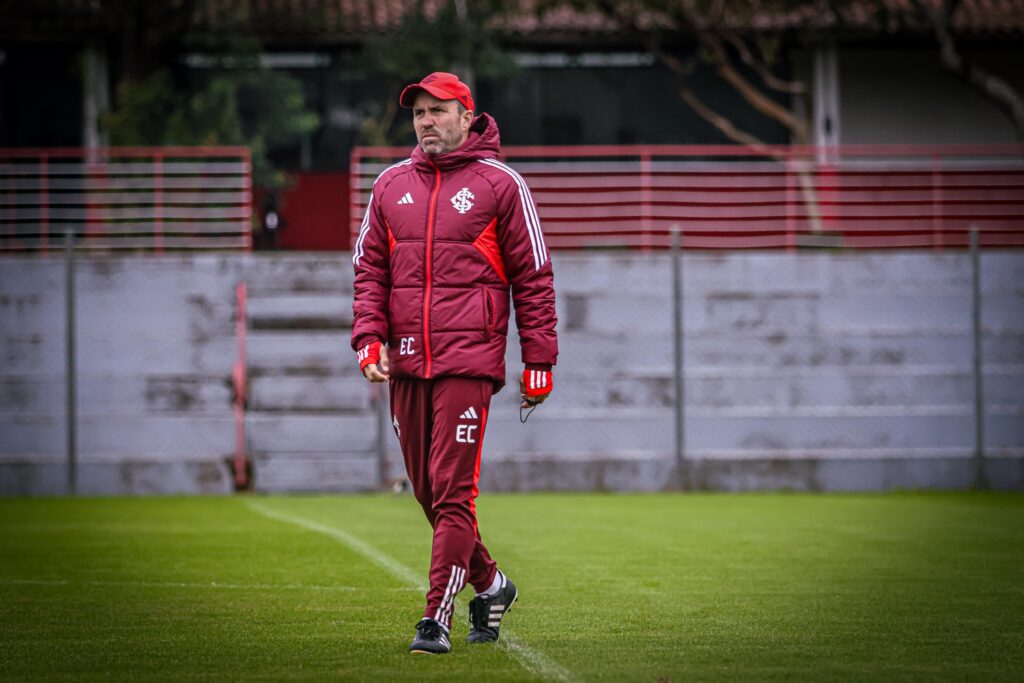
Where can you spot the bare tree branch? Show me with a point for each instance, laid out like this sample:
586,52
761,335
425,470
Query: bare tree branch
681,72
720,122
757,99
770,79
996,89
798,126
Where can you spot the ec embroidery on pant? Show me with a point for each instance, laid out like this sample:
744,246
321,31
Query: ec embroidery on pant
398,430
461,200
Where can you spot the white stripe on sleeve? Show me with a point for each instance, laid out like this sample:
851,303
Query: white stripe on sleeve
364,227
540,252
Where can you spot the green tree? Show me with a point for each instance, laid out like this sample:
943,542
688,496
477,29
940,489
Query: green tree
456,36
233,100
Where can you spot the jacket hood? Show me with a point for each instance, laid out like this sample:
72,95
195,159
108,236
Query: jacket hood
483,142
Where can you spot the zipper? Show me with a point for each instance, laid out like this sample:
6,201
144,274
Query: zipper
431,216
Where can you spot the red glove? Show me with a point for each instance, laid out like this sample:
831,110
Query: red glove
537,383
370,353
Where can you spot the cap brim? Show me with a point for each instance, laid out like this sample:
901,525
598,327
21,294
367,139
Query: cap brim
408,96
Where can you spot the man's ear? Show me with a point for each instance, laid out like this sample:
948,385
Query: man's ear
467,118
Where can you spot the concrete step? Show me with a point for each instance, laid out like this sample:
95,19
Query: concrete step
630,471
324,352
608,432
781,273
557,471
137,435
585,352
920,313
302,472
309,393
823,388
300,312
272,274
270,433
115,476
145,437
138,351
344,390
645,471
155,394
743,312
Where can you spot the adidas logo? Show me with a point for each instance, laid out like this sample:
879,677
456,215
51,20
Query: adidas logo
469,414
406,199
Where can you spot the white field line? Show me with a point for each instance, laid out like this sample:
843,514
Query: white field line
532,660
176,584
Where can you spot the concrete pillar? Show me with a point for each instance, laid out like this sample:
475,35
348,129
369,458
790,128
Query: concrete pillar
95,94
826,98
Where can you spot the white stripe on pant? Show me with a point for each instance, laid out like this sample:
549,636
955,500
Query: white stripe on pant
455,583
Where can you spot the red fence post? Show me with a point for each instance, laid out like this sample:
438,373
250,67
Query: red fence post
936,205
790,237
645,199
44,199
158,200
247,196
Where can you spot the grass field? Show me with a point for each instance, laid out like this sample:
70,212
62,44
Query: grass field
613,587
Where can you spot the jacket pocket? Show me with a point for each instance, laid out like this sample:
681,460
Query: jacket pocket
488,314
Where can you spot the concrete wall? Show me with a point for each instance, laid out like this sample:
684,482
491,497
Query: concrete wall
816,371
155,347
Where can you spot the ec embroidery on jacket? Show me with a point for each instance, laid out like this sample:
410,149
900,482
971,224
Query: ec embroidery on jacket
461,200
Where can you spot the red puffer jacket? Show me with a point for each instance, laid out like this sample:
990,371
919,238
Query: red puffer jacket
444,239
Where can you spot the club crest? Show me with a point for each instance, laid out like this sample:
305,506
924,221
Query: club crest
461,200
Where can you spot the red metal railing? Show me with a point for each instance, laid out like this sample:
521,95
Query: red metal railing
138,198
865,196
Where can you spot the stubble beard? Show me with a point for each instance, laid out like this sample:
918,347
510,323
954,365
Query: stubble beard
443,144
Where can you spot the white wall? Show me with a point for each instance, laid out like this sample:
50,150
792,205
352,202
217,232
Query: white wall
830,370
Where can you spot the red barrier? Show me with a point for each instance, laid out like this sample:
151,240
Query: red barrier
772,197
136,198
314,213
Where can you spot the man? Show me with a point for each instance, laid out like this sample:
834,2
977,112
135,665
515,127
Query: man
447,234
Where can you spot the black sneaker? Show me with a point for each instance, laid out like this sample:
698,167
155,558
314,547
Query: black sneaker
485,613
431,639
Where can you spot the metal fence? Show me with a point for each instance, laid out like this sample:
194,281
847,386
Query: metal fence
126,198
856,357
703,357
103,369
735,197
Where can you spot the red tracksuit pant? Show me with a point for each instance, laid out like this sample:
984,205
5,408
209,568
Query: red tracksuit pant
440,425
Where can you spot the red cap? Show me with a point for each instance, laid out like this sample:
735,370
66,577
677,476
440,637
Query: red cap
443,86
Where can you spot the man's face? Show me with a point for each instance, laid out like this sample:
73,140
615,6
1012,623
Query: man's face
439,126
